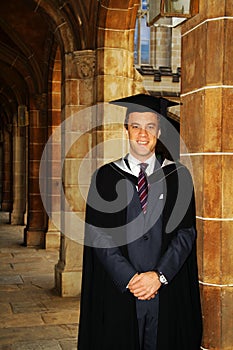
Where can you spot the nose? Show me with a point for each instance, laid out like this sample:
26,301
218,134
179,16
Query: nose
142,131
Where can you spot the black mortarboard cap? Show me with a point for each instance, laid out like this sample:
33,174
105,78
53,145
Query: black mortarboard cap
144,102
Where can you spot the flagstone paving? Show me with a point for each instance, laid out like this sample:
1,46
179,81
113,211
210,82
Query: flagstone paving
32,315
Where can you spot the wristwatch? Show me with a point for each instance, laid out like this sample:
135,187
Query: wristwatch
162,278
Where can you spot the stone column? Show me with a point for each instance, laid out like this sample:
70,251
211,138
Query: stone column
19,175
207,129
78,92
116,75
7,169
163,46
34,234
52,237
176,49
1,166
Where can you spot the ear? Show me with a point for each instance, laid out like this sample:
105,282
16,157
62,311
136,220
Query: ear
159,134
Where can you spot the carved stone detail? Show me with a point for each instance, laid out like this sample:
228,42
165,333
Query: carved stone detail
41,101
85,61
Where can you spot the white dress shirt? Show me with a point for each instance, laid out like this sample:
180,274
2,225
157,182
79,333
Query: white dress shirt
135,165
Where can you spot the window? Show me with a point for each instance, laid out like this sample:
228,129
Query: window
142,37
144,5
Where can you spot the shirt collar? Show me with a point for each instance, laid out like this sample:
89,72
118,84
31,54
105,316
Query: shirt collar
134,164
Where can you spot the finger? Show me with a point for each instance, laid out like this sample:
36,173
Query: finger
151,297
140,292
144,295
134,280
136,286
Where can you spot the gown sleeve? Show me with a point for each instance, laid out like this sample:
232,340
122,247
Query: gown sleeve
180,246
104,227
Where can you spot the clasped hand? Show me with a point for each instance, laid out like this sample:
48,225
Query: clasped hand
144,286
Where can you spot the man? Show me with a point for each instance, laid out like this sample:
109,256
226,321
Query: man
140,281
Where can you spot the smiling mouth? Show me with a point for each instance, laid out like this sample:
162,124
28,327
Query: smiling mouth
143,143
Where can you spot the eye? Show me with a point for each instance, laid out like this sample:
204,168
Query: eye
151,127
134,126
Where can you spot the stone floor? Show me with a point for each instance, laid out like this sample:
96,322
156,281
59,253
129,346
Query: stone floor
32,315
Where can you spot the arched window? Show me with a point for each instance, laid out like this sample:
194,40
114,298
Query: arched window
142,37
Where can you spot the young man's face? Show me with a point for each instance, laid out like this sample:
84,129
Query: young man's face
143,129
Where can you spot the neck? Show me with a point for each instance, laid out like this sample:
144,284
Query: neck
142,159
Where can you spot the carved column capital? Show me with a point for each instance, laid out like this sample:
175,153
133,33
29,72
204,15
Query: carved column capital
85,61
41,101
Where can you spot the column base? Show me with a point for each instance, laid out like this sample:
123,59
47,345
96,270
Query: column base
34,238
52,239
67,283
17,218
5,217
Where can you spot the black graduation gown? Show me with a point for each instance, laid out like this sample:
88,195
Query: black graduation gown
108,316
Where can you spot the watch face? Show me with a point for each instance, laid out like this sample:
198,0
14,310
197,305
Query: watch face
162,279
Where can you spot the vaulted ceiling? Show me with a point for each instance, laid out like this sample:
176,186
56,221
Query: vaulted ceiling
30,31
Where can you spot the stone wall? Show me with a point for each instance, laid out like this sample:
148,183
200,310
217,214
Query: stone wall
206,127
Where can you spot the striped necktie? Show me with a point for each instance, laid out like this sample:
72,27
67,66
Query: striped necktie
143,186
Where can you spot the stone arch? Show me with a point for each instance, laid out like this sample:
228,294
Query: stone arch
115,45
24,61
73,22
57,21
118,15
